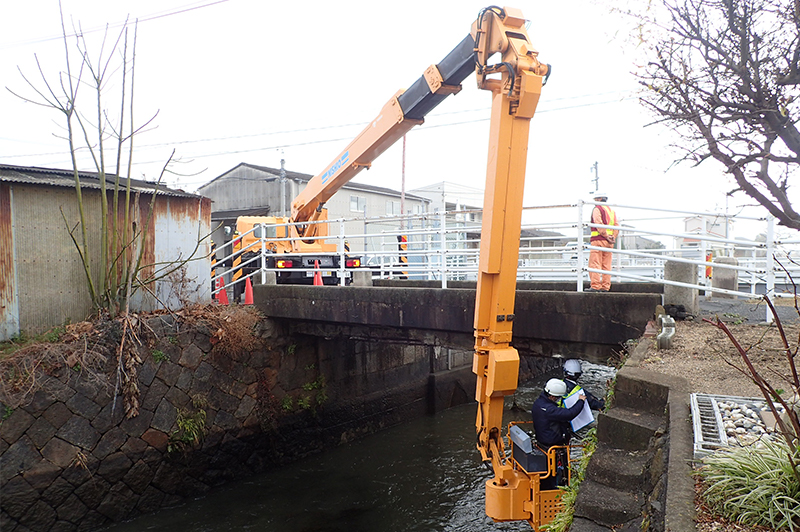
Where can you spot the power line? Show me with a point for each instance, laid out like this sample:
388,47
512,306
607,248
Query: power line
320,128
146,18
324,141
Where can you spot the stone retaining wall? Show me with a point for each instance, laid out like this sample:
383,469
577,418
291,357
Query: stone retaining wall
71,460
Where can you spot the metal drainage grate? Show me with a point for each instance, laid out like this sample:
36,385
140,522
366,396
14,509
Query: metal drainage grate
709,426
709,433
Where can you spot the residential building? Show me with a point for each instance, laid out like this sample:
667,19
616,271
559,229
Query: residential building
252,190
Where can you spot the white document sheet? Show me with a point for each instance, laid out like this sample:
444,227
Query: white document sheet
585,417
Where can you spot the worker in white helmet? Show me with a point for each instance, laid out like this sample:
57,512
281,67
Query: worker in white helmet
552,428
603,238
550,418
573,369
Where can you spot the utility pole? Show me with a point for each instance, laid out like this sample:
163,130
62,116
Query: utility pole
283,188
596,178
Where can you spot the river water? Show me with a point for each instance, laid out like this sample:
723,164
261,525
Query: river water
423,476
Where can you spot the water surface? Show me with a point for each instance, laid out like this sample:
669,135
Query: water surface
423,476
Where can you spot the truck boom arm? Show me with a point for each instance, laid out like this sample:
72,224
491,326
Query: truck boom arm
512,493
515,82
402,112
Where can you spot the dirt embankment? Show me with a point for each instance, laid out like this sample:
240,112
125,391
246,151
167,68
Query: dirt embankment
705,356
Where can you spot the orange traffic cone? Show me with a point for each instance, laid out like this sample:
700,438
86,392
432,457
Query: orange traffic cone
248,292
222,295
317,274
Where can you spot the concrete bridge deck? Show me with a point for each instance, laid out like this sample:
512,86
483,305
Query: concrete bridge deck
551,321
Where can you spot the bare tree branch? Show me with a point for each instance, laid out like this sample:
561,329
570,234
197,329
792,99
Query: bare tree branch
725,75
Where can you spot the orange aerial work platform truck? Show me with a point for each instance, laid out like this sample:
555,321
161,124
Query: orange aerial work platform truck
499,52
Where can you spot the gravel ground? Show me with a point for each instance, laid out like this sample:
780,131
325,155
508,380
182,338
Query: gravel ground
704,355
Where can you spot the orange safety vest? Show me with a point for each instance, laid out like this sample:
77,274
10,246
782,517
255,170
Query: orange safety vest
608,217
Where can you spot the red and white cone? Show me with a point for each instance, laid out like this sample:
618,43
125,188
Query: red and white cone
317,274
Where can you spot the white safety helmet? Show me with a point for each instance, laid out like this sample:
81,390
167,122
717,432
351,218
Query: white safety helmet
573,369
556,387
600,196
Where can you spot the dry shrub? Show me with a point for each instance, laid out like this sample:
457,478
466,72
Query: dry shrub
232,328
105,351
26,370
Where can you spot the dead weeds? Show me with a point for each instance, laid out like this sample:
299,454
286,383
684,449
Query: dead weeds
106,351
232,328
26,364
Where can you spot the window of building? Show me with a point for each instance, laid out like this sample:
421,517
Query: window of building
358,203
393,208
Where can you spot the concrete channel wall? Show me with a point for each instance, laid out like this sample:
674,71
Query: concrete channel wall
591,326
640,476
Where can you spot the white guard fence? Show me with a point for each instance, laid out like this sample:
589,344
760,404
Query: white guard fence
555,246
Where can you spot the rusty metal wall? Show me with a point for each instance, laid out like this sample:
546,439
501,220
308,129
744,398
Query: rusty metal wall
42,282
51,283
181,266
9,306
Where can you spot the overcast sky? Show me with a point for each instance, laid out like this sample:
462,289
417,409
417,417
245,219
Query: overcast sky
256,81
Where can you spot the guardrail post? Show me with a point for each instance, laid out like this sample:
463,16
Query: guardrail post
616,258
342,260
701,270
263,254
443,239
579,269
770,288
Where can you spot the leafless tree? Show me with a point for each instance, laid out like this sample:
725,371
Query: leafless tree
101,122
724,74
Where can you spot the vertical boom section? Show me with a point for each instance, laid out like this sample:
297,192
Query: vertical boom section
515,82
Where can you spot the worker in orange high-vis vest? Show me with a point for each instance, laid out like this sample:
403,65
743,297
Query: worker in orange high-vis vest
602,238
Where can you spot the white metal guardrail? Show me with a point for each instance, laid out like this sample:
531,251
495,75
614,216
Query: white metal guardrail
554,246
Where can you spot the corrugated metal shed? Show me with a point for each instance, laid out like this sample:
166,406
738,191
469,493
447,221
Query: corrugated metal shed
43,283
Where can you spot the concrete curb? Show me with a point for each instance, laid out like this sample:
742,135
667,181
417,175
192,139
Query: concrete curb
680,509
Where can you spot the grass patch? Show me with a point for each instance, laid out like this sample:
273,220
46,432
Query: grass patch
756,485
159,355
191,427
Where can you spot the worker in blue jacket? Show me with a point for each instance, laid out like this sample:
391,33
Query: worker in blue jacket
551,425
550,418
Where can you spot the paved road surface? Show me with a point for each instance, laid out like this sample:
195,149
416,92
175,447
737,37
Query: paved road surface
753,311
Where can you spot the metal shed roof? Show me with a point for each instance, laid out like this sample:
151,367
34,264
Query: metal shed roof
33,175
